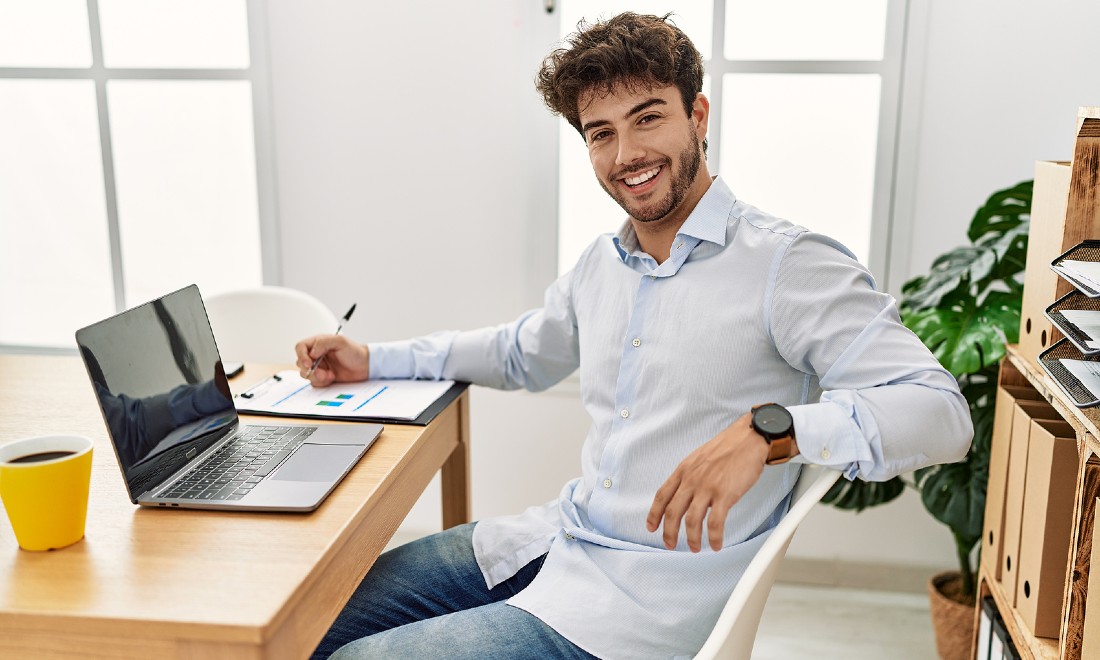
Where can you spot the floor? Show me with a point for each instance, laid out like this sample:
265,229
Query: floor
853,624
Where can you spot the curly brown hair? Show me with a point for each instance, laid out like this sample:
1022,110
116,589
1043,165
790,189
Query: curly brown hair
636,51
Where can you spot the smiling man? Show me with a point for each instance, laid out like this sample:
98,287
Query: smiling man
720,348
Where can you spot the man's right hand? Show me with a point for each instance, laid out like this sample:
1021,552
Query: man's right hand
342,360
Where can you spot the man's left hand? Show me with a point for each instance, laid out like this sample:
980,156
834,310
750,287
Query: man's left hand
714,476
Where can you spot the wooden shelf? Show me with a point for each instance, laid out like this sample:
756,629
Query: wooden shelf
1032,648
1083,419
1086,422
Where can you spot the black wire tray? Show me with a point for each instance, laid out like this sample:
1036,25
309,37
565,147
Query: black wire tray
1074,300
1063,349
1084,251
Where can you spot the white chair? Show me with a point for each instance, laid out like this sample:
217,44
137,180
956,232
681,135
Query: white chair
262,324
735,631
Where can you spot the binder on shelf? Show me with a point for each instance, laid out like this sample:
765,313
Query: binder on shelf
994,520
1023,412
1076,374
1047,237
986,615
1070,267
1070,313
1047,525
997,641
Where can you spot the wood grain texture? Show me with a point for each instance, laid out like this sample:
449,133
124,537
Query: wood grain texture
1073,620
186,583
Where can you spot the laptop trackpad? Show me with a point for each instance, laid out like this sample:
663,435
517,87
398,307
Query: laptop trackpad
318,462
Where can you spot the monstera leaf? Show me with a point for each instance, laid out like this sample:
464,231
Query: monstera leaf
859,495
965,336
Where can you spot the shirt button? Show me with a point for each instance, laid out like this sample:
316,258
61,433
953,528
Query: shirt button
624,413
636,343
825,453
570,537
607,483
680,245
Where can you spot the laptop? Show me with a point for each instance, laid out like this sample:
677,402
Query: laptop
166,402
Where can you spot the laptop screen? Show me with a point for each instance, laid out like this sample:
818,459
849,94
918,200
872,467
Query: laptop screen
159,380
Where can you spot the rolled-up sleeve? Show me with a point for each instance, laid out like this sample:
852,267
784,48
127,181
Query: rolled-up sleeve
887,406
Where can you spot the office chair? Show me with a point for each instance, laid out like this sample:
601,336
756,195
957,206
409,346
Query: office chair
262,324
735,631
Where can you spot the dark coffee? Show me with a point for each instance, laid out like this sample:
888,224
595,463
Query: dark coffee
44,456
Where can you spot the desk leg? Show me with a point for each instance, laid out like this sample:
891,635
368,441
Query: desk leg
456,471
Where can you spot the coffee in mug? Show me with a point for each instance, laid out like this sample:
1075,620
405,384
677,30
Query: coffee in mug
44,484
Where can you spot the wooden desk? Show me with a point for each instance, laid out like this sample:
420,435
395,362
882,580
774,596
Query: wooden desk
153,583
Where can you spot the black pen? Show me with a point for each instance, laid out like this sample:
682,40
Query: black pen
338,329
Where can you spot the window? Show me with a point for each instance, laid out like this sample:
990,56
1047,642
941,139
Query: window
130,131
804,96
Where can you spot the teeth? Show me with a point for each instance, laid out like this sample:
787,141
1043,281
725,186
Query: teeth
643,177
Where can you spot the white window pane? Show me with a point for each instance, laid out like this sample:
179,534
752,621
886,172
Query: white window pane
55,262
694,17
45,33
186,178
805,29
803,147
197,34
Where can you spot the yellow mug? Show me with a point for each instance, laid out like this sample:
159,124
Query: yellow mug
44,485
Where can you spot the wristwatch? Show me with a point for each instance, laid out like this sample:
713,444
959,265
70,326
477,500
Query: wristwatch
775,424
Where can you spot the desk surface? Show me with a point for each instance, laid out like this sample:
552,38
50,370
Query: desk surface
173,583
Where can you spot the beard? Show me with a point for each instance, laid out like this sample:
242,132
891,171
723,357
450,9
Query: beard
689,162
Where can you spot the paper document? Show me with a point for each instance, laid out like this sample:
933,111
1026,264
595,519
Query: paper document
287,393
1088,322
1084,272
1086,372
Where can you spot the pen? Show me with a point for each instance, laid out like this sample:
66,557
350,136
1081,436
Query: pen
338,329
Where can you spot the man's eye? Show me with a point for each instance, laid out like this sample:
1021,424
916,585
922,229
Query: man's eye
647,118
599,135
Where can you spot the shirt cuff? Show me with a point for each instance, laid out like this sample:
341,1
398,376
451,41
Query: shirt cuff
827,436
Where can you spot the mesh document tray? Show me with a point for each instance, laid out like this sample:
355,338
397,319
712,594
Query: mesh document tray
1081,396
1074,300
1083,251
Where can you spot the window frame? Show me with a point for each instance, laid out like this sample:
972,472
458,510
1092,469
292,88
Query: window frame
257,74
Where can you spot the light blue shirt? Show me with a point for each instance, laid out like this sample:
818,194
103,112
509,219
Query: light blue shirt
747,309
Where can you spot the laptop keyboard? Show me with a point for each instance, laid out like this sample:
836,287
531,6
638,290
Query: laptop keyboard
233,470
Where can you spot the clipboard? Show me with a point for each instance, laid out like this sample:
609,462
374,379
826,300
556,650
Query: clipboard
286,394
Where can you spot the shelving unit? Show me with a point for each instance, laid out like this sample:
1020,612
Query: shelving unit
1086,422
1021,366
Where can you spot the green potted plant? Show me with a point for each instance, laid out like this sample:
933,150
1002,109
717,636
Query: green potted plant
965,310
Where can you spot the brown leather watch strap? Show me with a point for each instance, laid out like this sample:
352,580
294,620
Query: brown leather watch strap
779,451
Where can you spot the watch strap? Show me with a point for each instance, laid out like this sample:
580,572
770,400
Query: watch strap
779,450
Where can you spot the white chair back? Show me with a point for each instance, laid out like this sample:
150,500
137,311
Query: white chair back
262,324
735,631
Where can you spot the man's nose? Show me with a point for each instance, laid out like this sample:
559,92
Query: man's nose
630,150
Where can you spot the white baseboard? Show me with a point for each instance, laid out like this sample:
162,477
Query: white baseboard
856,574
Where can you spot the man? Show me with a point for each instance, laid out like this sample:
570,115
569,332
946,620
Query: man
700,309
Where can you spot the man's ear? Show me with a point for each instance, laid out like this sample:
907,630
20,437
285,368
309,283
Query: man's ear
700,115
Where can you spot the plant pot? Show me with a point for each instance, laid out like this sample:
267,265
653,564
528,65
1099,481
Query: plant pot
952,621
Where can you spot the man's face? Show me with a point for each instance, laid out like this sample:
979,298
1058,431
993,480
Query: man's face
644,148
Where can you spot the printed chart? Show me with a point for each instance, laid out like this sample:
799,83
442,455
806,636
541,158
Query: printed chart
287,393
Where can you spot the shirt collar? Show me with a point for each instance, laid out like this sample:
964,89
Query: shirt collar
707,221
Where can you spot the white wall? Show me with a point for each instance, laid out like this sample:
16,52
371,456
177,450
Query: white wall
416,176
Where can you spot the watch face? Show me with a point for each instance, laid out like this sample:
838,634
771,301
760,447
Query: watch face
773,420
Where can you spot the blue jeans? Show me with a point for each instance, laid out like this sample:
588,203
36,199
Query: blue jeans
428,599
